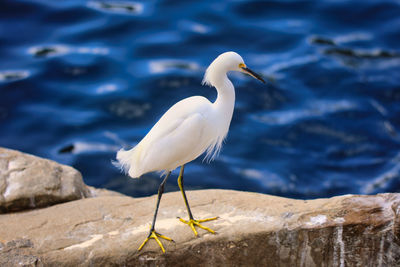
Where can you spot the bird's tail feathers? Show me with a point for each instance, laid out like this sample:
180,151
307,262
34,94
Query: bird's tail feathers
124,161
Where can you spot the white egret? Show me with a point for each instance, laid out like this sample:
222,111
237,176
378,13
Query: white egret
188,129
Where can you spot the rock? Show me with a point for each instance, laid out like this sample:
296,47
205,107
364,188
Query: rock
28,182
253,230
18,253
101,192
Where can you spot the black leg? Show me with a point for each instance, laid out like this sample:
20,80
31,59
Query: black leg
160,192
153,234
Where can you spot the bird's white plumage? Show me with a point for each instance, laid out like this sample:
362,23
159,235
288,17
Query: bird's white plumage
189,128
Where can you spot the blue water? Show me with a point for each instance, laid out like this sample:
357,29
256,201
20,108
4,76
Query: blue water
79,79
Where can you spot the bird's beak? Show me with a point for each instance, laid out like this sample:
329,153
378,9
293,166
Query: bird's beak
252,73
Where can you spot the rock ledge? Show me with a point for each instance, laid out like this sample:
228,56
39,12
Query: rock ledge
28,182
253,230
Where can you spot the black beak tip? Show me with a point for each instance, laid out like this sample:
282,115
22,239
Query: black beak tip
252,73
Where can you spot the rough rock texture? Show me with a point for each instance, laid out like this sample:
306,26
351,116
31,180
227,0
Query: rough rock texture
28,182
253,230
101,192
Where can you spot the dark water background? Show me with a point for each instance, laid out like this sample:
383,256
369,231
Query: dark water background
78,79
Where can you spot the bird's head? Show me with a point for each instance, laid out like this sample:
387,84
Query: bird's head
228,61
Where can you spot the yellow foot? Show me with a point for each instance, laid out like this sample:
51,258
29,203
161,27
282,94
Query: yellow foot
193,222
155,235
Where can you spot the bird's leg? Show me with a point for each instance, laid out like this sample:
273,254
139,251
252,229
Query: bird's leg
191,222
153,233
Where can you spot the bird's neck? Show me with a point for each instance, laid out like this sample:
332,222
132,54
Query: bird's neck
225,101
216,76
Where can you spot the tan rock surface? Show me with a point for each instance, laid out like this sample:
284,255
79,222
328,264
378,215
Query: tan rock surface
101,192
28,182
253,230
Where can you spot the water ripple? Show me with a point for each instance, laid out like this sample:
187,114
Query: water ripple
60,50
309,110
162,66
13,75
131,8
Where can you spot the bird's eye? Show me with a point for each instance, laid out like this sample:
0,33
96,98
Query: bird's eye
242,65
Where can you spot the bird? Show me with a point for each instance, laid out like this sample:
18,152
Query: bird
190,128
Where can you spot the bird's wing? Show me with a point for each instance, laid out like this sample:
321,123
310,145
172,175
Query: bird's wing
179,136
176,115
181,144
